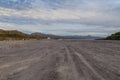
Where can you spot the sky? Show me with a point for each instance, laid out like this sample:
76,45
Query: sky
61,17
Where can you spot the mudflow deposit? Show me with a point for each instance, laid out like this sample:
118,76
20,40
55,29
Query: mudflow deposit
60,60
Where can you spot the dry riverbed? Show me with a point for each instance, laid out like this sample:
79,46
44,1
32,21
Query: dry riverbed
60,60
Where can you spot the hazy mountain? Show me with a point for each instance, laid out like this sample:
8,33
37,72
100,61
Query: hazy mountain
17,35
67,37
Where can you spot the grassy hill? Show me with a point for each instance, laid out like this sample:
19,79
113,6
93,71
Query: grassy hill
16,35
115,36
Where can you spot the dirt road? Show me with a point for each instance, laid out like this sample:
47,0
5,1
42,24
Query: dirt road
60,60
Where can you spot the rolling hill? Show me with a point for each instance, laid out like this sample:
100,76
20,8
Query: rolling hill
115,36
17,35
12,35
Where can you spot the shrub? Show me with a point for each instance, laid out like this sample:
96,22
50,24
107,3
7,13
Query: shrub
115,36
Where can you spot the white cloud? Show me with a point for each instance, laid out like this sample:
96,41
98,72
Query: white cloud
96,17
66,15
62,30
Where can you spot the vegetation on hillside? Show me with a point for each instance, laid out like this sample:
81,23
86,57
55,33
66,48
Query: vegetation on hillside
17,35
115,36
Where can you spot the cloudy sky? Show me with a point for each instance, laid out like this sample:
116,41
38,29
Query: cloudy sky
61,17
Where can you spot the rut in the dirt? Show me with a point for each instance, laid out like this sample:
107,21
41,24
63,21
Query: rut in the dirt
60,60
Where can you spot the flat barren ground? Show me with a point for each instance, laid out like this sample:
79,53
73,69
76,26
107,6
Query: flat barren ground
60,60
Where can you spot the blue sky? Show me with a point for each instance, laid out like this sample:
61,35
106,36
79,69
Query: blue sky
61,17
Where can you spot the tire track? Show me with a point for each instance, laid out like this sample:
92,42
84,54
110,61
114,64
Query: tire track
23,62
87,64
55,60
84,61
73,73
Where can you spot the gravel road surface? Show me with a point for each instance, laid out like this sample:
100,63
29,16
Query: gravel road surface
60,60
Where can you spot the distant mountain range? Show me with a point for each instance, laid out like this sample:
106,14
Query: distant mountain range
17,35
67,37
